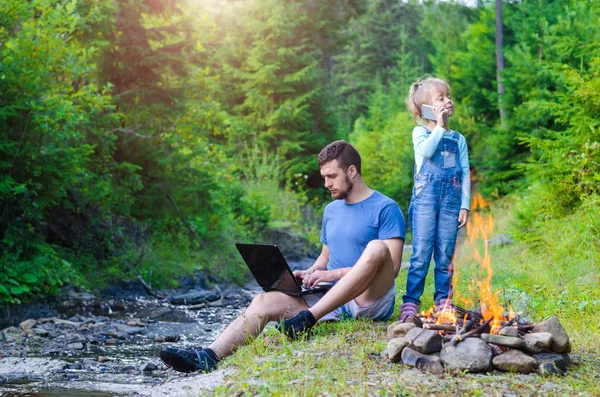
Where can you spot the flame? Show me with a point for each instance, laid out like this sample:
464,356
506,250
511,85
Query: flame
480,229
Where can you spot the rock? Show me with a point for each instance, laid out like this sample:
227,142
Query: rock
3,379
111,342
549,386
424,340
293,245
509,331
134,322
425,362
395,347
118,327
58,321
398,329
268,341
538,342
496,350
27,325
84,296
560,339
103,359
92,339
128,369
514,361
194,297
148,367
11,330
561,361
117,335
75,338
89,364
75,346
508,341
384,355
472,354
166,314
73,366
549,368
167,338
41,332
134,330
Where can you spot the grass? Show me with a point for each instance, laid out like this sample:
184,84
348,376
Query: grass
558,275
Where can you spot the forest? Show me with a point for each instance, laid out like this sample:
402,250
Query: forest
146,137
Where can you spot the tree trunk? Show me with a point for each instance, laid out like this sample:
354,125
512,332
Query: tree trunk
499,60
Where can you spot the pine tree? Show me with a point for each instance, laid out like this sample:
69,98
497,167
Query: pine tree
383,35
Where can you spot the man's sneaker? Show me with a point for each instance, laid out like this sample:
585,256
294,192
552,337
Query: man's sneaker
299,324
193,359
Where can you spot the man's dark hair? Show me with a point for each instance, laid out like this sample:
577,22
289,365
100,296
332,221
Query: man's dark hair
343,152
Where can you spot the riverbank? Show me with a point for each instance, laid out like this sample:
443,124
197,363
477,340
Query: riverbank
108,345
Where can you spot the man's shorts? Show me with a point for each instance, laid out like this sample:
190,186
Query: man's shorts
380,310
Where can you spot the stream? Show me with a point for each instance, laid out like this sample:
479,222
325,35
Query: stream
80,344
84,345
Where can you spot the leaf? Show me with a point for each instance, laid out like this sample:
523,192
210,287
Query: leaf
582,305
30,278
16,290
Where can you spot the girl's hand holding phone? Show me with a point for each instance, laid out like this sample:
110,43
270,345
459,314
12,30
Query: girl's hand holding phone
441,116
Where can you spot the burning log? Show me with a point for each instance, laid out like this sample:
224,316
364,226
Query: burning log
460,337
469,325
440,327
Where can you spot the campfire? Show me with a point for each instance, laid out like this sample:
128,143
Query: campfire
485,338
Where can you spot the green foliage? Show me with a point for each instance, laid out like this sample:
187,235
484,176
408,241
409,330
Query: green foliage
566,150
272,60
42,272
384,139
378,41
146,137
51,124
264,203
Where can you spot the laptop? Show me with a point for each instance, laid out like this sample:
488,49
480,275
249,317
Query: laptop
271,271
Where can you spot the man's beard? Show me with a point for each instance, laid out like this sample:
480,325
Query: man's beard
343,194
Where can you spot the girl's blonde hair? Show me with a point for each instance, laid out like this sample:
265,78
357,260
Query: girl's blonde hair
420,93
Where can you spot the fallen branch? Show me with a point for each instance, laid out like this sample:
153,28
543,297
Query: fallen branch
145,285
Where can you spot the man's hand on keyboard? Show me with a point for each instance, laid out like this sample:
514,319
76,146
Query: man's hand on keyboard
320,276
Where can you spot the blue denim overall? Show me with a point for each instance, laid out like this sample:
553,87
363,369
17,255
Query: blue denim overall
433,215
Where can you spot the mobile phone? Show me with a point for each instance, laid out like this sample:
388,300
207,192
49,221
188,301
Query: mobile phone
427,114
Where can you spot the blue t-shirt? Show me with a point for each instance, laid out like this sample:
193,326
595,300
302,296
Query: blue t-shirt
348,228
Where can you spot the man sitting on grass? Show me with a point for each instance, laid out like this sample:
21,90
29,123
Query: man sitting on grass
363,237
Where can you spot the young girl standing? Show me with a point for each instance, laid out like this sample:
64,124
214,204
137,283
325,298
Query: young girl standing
439,205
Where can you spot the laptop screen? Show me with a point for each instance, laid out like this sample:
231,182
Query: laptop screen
269,268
